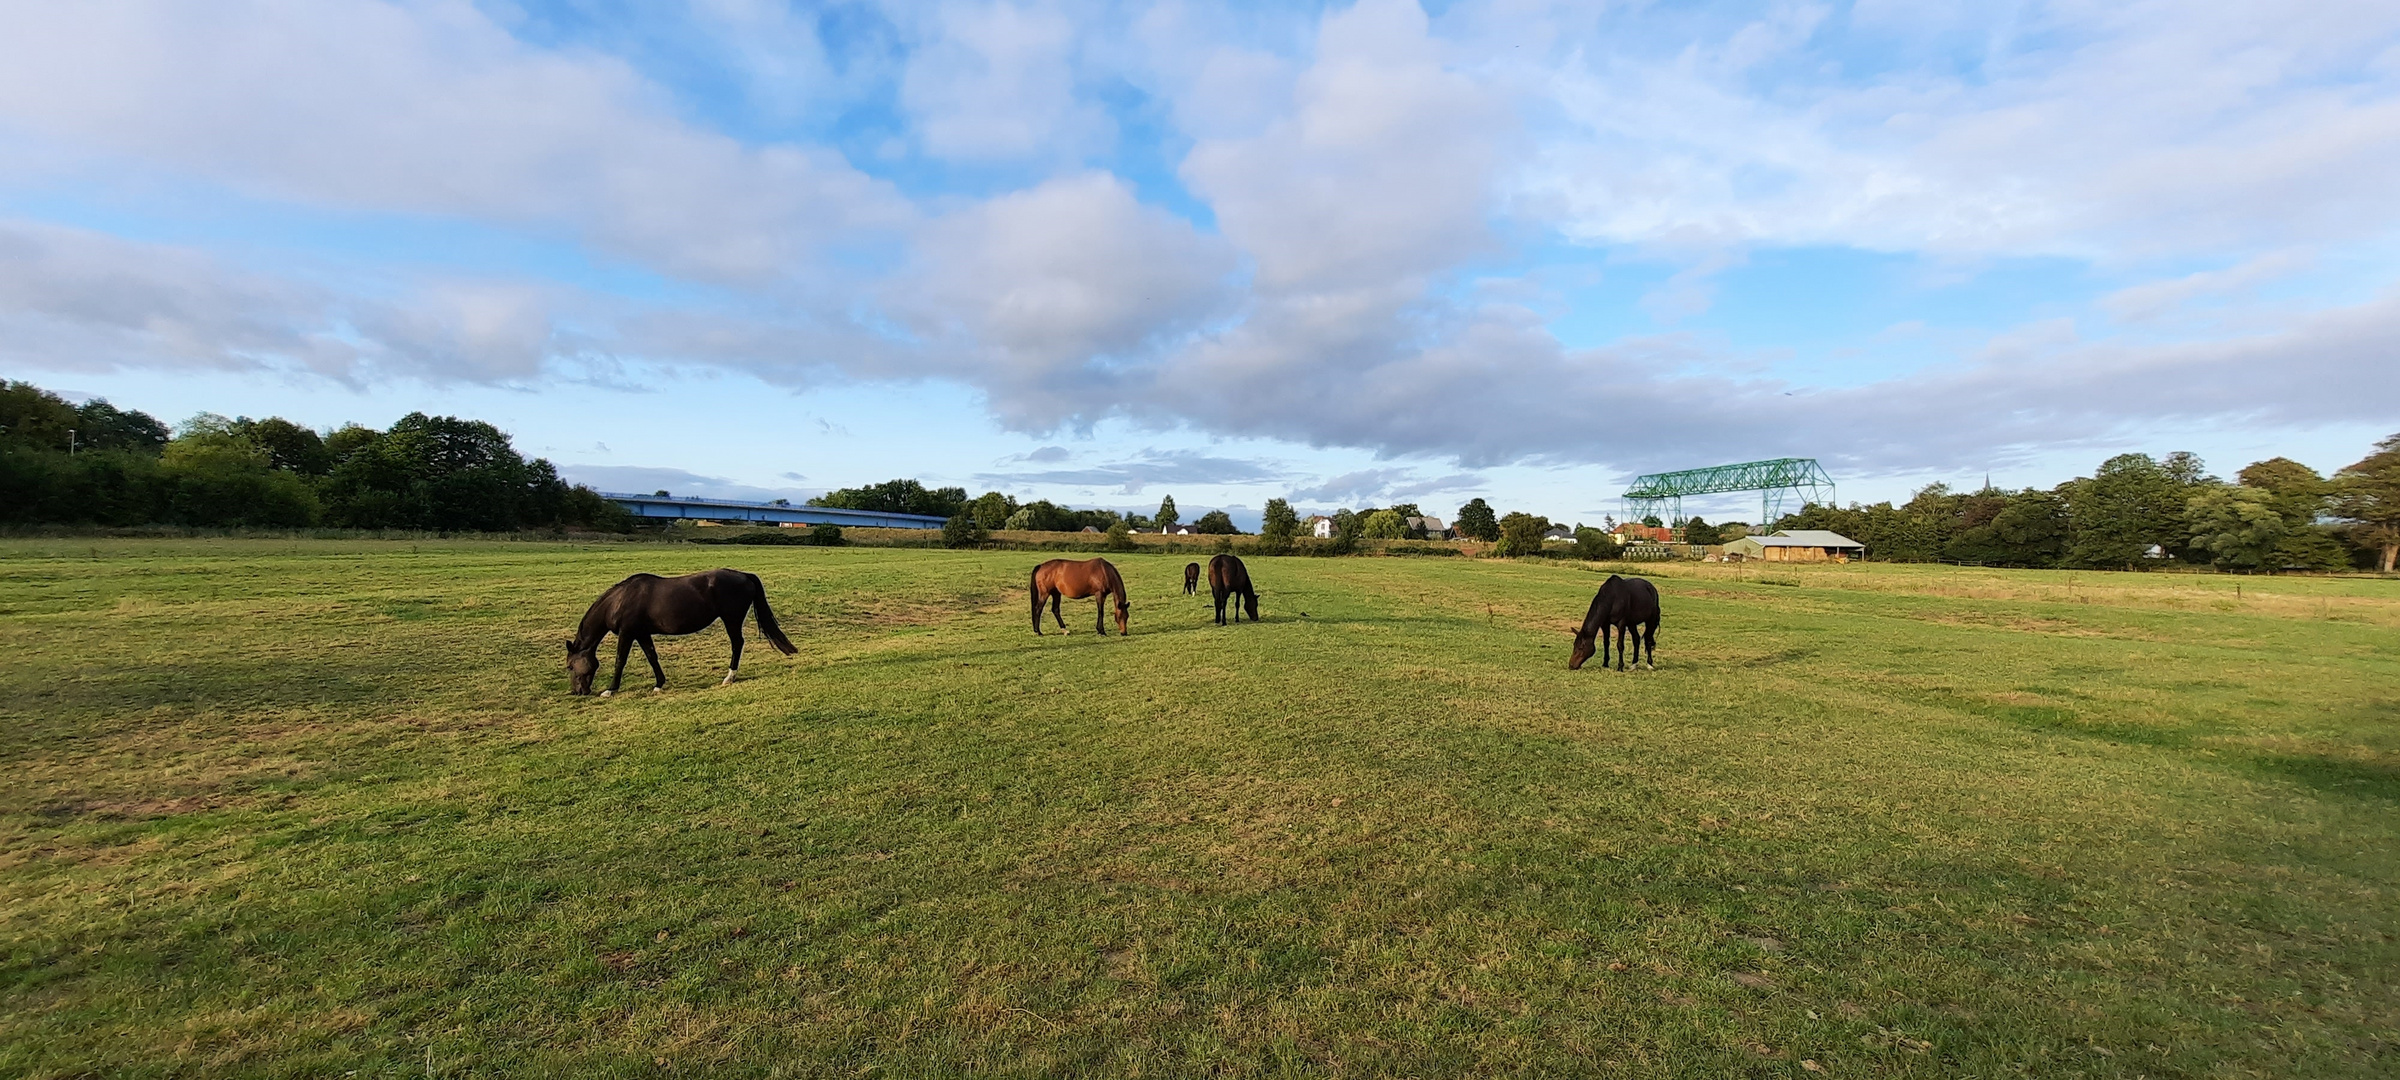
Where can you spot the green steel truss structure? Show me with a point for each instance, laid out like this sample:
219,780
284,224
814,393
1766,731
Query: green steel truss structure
1776,482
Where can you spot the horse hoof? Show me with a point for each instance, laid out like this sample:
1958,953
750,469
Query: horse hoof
658,689
728,679
608,693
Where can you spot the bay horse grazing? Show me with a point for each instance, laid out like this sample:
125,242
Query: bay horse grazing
1191,578
1627,607
1072,580
1228,577
647,604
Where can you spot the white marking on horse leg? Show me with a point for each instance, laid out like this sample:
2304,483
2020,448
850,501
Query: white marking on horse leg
608,693
658,689
728,678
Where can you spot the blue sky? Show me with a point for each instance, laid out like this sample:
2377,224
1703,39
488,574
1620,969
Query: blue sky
1101,253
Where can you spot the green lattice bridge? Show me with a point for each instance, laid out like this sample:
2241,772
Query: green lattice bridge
1776,481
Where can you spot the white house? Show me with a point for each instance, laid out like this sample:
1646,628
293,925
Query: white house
1320,526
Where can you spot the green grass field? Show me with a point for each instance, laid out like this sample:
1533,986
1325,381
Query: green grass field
325,808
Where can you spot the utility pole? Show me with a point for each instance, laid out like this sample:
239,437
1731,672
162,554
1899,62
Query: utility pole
70,442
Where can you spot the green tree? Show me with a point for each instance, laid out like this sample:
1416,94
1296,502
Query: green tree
962,531
2299,496
1521,534
217,477
1166,514
991,509
1278,521
2237,526
1345,534
2367,494
1383,525
1120,537
1476,521
2124,508
1592,544
902,496
34,418
1042,515
1215,523
288,446
1696,531
825,534
102,426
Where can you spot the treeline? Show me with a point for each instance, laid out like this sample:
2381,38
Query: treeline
2136,510
993,510
93,464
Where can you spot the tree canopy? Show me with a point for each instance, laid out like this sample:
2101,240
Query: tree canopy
1476,521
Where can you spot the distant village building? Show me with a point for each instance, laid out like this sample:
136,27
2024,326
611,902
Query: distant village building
1433,527
1635,532
1797,545
1320,526
1558,532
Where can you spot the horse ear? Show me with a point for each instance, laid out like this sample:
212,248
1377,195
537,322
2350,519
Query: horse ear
570,646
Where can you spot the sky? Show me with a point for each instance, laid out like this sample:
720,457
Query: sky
1346,254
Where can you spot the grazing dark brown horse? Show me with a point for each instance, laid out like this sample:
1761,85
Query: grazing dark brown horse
1191,578
646,604
1072,580
1627,607
1228,577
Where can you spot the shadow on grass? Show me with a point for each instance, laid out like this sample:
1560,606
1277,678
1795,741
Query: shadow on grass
2341,776
2361,779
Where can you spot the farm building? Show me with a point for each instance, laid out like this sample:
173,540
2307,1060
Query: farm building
1320,526
1797,545
1635,532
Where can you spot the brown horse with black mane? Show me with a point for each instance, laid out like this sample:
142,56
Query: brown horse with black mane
647,604
1191,578
1227,577
1074,580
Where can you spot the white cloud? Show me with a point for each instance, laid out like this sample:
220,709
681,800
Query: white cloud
75,299
1053,297
997,81
428,109
2104,131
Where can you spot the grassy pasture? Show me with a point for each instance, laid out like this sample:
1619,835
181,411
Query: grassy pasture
322,808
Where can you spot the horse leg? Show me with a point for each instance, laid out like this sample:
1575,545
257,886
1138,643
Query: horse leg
1100,613
650,653
1650,642
624,647
1055,599
733,630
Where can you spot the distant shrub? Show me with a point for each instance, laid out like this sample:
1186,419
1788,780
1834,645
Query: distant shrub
963,531
1120,537
825,535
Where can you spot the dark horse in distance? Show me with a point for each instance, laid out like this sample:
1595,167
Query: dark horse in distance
1228,577
1627,607
1191,578
647,604
1072,580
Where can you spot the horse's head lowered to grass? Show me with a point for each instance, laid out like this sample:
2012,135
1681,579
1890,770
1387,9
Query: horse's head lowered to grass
581,667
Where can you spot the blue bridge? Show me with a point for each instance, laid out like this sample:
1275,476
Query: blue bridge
698,509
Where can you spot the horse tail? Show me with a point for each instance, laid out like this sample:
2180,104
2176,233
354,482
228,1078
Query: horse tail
1033,588
766,616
